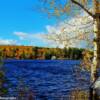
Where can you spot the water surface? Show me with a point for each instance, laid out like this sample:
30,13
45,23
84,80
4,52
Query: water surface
50,79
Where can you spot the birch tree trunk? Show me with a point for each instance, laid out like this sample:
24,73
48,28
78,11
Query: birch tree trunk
96,59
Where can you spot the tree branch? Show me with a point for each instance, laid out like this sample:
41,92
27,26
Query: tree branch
80,5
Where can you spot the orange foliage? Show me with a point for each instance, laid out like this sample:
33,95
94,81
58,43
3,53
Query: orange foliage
20,52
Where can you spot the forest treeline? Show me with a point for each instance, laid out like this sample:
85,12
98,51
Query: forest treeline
30,52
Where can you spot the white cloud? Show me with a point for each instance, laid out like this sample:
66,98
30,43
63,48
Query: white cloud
73,27
21,35
80,27
34,39
7,42
28,36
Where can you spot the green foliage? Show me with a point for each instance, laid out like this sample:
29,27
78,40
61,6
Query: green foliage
3,89
66,53
48,55
39,53
1,74
3,80
35,50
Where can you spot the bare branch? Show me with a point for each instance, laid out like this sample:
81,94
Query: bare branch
80,5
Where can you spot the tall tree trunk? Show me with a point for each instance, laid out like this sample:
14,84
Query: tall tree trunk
96,59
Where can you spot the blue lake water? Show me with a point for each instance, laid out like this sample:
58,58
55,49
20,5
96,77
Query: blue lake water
46,78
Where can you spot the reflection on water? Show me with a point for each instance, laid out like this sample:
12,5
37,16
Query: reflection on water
46,79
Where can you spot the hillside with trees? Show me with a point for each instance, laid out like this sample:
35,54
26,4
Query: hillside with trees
31,52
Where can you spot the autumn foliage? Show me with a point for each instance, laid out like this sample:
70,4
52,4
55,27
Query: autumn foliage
30,52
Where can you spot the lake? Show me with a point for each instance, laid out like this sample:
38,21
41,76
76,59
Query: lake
49,79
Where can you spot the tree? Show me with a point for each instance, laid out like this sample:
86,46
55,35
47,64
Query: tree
48,54
62,7
71,33
65,50
1,54
35,50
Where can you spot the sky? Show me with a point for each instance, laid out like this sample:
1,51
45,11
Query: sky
20,23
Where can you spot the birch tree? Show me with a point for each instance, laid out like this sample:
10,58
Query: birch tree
81,29
72,7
